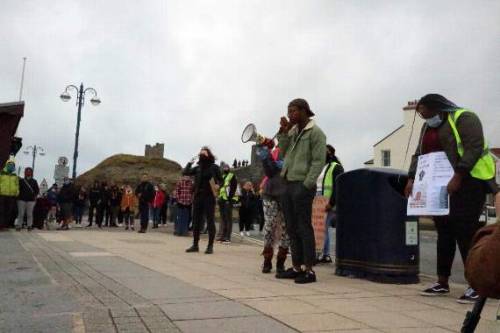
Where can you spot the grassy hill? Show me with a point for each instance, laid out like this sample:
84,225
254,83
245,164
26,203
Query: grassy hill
128,169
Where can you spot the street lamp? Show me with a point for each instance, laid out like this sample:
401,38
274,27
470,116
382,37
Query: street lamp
35,150
80,100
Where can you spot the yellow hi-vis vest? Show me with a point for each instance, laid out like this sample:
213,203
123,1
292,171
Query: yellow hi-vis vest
484,168
224,190
328,181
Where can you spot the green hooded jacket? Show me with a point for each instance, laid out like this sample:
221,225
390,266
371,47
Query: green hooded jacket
304,154
9,183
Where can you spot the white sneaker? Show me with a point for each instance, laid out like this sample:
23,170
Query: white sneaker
242,234
248,233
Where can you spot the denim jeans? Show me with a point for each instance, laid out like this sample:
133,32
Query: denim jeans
328,223
182,220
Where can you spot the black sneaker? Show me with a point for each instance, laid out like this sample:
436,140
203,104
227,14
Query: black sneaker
437,289
306,277
193,248
290,273
326,259
470,296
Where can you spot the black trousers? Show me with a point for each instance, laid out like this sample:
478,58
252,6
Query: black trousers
8,211
144,214
101,210
204,208
460,226
226,224
92,208
246,218
297,209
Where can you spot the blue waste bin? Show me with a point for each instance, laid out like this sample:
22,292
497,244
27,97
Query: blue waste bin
375,239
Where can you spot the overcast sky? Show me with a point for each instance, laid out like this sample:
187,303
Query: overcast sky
193,73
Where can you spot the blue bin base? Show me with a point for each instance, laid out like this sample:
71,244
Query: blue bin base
378,277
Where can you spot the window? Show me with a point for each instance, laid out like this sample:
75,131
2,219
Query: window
386,158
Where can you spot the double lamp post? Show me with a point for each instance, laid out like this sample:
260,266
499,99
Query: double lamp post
80,100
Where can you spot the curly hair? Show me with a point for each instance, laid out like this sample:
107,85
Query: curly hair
211,156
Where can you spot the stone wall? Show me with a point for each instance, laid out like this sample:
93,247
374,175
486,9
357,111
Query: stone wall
156,151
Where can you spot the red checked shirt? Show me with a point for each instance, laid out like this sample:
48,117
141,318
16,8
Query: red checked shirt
184,191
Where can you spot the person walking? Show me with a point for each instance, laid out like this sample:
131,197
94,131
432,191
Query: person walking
303,145
157,204
248,208
65,199
145,193
207,179
326,187
128,207
226,199
28,192
94,196
9,190
272,188
79,204
458,133
184,195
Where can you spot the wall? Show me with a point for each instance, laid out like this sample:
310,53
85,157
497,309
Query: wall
156,151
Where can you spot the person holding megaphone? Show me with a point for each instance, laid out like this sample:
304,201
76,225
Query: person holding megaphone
303,145
207,180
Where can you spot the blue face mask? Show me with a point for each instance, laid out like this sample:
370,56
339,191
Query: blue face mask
434,121
11,168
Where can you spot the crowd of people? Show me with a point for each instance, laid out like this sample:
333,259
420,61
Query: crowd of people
298,168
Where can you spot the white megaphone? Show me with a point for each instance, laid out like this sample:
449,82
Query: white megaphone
250,134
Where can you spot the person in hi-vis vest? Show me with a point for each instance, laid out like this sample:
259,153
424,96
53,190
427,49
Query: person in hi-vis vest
227,197
326,187
458,133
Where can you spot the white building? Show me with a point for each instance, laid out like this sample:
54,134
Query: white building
391,151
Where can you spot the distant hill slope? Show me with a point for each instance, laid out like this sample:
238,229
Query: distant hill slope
128,169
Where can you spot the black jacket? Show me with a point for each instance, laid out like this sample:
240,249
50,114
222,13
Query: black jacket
28,189
249,202
94,195
66,194
202,177
145,192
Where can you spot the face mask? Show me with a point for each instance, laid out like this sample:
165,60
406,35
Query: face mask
11,168
434,121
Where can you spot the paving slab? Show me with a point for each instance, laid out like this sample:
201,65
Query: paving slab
257,324
207,310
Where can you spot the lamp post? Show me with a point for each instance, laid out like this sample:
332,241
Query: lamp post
35,150
80,100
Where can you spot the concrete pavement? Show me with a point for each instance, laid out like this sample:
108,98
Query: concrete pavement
117,281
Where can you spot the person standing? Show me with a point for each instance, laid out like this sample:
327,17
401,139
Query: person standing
157,204
164,207
326,187
458,133
145,192
247,209
94,196
52,198
79,205
102,204
226,198
207,179
115,199
128,207
28,192
184,195
9,190
303,145
65,199
272,188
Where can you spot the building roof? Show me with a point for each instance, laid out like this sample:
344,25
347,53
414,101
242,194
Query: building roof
388,135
